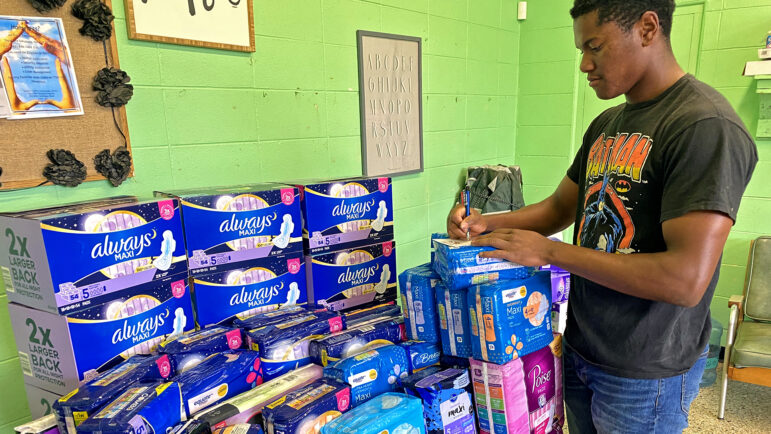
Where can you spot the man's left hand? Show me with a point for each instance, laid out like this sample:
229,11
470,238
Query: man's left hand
519,246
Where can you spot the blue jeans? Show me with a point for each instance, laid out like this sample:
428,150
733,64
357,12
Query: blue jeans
597,402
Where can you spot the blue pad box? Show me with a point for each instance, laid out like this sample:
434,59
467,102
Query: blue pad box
355,340
371,373
228,226
75,407
264,285
419,301
142,408
393,413
348,278
459,265
347,213
510,318
285,346
447,401
453,320
219,377
307,409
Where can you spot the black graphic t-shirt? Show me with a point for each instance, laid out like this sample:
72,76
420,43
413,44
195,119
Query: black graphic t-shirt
639,165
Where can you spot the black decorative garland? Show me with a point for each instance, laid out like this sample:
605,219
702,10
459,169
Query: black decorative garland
113,87
46,5
64,168
97,19
115,167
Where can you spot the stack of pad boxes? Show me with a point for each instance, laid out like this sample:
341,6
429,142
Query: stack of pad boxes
90,285
495,316
228,374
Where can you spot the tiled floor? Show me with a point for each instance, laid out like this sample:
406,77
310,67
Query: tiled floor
748,409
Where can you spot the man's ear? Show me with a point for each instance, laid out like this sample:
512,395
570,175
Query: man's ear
648,27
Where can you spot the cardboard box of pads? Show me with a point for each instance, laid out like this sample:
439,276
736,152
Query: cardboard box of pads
58,352
259,286
63,259
40,400
228,226
346,213
353,277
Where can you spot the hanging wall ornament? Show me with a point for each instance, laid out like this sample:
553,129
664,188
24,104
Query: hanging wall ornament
115,167
113,87
46,5
97,18
64,168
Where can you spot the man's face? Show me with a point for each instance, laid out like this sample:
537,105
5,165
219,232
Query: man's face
611,58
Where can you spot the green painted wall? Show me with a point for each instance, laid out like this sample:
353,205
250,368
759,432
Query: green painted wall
209,117
712,39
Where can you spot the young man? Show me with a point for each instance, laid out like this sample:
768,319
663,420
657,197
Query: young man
653,193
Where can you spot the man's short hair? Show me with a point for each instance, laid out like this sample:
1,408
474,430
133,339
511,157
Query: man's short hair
626,12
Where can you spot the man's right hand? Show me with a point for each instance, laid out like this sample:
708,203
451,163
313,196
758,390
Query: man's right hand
458,223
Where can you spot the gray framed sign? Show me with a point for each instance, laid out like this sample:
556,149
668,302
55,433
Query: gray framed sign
390,103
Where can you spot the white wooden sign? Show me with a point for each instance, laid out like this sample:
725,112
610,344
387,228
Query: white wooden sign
222,24
390,93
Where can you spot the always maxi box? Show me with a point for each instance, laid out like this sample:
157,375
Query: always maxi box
227,227
346,213
264,285
67,258
353,277
58,352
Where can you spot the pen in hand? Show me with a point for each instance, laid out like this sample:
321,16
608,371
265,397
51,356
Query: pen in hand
467,203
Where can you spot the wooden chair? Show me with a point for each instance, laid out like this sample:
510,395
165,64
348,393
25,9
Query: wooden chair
748,359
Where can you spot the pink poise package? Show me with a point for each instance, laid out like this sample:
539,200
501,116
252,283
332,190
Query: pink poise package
523,396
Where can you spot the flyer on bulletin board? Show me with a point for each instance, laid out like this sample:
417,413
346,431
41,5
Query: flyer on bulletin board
36,69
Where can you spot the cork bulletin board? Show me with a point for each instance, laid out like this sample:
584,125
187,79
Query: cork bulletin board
24,143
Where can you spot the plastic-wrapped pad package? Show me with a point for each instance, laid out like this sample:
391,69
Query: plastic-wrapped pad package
389,413
454,329
447,361
356,340
247,407
142,408
268,318
75,407
436,236
448,404
460,266
421,355
219,377
559,317
285,346
227,226
560,284
261,286
346,213
354,277
367,314
242,428
307,409
190,426
371,373
213,339
419,301
523,396
510,318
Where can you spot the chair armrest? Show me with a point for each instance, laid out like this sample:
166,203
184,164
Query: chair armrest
736,300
